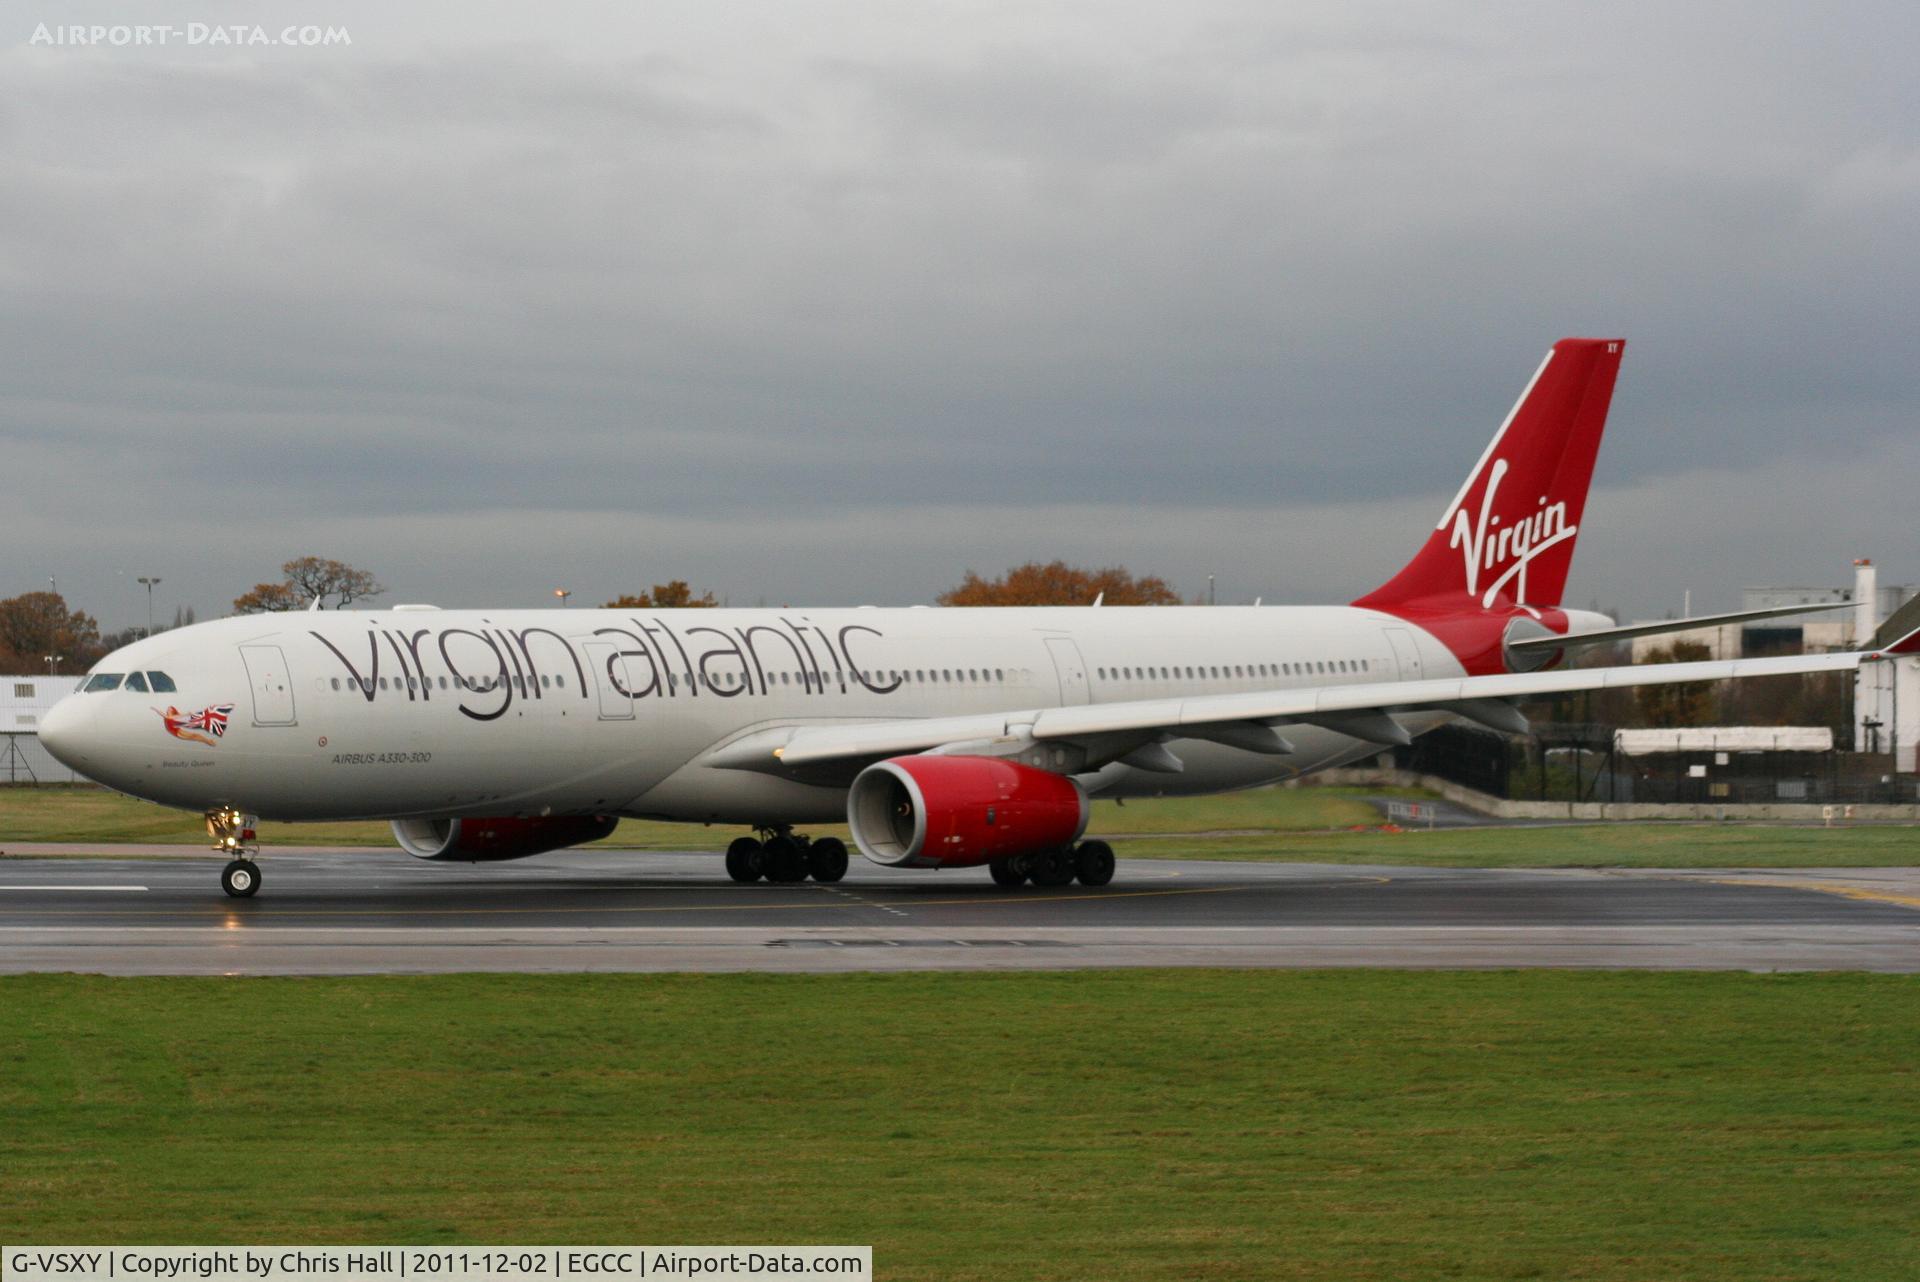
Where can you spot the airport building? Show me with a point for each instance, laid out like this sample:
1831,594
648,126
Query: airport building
1793,634
1886,697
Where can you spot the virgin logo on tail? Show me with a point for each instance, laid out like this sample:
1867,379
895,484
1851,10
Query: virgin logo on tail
1485,545
1501,549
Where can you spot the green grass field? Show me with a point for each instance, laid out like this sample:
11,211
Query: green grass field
1303,825
1140,1125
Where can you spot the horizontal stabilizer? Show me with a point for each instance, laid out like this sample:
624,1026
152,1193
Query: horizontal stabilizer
1908,644
1661,627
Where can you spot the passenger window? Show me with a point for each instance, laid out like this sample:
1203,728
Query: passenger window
999,675
162,683
560,682
136,681
336,683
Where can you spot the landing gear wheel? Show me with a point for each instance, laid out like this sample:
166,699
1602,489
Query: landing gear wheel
743,859
1093,863
240,878
1052,868
783,860
827,859
1007,873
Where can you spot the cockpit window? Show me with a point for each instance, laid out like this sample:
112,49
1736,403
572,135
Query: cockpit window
162,683
103,681
137,681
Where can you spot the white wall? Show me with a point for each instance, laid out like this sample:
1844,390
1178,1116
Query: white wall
1889,692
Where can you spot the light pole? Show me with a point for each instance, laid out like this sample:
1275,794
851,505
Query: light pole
51,660
1209,589
149,582
563,594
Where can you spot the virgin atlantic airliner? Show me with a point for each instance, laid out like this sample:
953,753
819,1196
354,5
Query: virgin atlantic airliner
946,738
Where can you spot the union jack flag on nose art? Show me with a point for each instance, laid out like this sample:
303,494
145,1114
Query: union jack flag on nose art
182,725
211,719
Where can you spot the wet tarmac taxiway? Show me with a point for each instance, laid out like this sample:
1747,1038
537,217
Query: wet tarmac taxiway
377,911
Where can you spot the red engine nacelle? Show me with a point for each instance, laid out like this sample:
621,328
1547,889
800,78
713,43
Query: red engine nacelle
487,840
927,812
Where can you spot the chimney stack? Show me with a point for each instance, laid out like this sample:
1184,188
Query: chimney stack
1866,603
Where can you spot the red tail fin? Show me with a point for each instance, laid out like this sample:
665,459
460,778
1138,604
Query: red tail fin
1507,537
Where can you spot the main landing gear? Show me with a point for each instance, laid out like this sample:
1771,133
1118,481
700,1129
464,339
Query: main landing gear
786,857
233,834
1091,862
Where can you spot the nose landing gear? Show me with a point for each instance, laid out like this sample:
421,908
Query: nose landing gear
233,834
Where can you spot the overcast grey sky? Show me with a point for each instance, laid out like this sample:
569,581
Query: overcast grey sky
827,303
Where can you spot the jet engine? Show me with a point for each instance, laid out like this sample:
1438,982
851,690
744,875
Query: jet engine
490,840
957,812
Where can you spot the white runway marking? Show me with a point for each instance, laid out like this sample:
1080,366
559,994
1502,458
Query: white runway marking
108,888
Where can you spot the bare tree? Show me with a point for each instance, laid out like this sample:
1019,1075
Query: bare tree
309,579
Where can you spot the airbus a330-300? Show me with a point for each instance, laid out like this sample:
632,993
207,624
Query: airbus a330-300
945,738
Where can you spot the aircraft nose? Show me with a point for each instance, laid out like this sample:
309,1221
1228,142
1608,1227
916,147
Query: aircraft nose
62,733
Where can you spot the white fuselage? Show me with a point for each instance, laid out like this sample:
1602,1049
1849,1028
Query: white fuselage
401,713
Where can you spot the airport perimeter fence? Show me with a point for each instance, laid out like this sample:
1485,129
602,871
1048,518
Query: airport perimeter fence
24,763
1565,761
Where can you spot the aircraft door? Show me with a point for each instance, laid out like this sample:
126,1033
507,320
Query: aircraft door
1405,653
271,684
1071,670
609,668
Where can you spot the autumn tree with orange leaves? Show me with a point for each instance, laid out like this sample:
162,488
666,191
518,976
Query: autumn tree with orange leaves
673,595
36,625
1058,583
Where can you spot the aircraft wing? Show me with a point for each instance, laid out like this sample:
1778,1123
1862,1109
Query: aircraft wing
1363,710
